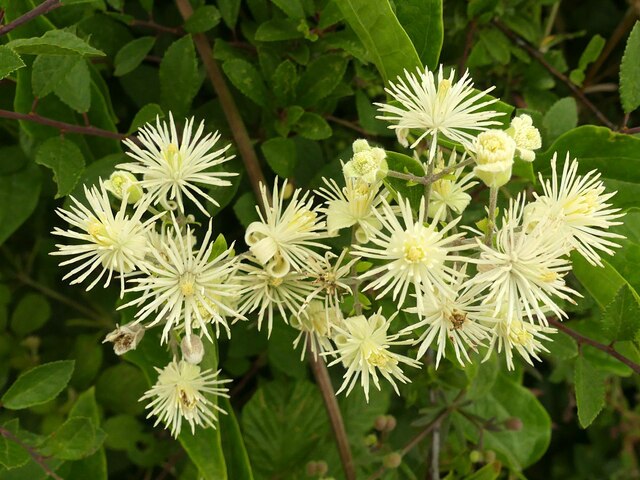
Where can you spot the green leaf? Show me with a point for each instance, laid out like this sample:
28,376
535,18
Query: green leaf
630,72
320,78
229,10
246,78
10,61
123,431
281,354
508,399
147,114
77,438
120,387
132,55
179,78
590,389
203,19
12,455
281,155
313,127
292,8
490,471
278,29
621,318
31,313
49,71
367,116
235,452
422,20
54,42
245,209
283,423
19,194
39,385
86,406
386,42
603,283
590,54
616,156
284,80
561,117
65,159
75,88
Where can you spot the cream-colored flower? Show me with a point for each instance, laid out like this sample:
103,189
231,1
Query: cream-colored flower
494,151
180,394
526,136
125,338
453,317
173,167
577,207
525,270
283,239
363,347
368,163
110,242
354,204
412,254
316,322
438,106
450,192
185,286
120,182
509,334
329,278
267,294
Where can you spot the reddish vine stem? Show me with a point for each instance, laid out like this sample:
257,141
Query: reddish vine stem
582,340
150,24
539,57
321,375
44,7
236,124
62,126
39,459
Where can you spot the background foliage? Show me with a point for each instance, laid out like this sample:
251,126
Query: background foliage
303,75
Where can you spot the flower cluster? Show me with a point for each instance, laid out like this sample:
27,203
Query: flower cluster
456,289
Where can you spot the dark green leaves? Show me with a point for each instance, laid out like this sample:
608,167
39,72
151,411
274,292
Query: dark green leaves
31,313
630,72
10,61
65,159
54,42
203,19
76,438
386,42
399,162
621,318
320,78
590,390
561,117
313,127
422,20
38,385
246,78
282,424
179,78
132,55
19,193
12,455
66,76
281,155
590,54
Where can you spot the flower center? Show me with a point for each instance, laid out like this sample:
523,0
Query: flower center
303,221
187,285
457,319
443,88
172,156
187,401
519,335
548,276
413,251
98,231
381,359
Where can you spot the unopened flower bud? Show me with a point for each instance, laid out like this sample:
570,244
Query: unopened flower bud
476,456
526,136
380,423
192,349
322,468
360,145
392,460
391,423
513,423
368,164
494,152
121,183
125,338
311,468
370,440
489,456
